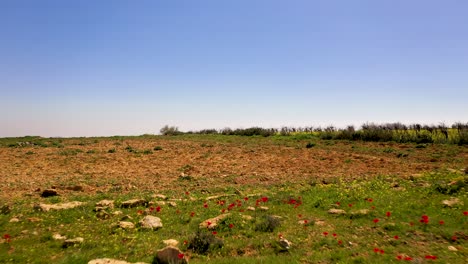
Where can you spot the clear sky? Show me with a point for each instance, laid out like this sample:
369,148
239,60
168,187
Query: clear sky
96,68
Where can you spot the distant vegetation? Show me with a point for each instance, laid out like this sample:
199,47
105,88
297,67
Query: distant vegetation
397,132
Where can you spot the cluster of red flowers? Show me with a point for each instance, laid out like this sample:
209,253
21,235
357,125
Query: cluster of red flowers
296,202
263,199
407,258
7,238
431,257
379,250
370,200
424,219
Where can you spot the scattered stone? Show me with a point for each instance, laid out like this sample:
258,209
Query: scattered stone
24,232
126,225
320,222
111,261
35,233
107,204
170,255
213,222
157,203
337,211
49,193
14,220
151,222
34,219
159,196
263,208
57,236
285,244
250,208
171,242
452,248
247,217
72,242
6,209
218,196
59,206
360,212
117,213
134,203
452,202
103,215
172,204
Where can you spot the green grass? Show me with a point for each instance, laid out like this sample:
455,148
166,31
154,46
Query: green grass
244,242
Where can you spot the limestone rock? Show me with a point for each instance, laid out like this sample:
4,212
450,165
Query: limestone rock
250,208
171,242
151,222
72,242
452,248
159,196
263,208
126,225
103,215
337,211
111,261
59,206
14,220
213,222
106,204
284,244
170,255
57,236
133,203
452,202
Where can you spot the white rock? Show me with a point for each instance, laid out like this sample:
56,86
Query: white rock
171,242
126,225
151,222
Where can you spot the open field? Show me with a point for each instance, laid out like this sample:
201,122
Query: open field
298,183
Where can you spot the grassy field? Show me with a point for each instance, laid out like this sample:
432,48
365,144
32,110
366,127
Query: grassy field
388,196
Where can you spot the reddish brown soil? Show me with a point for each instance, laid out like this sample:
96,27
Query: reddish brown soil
211,163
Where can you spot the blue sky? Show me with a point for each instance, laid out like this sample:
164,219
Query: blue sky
96,68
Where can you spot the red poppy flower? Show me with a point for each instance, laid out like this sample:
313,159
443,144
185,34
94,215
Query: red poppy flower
192,214
399,257
158,209
441,222
388,214
264,199
299,215
408,258
372,207
208,223
7,237
231,225
338,203
340,242
334,235
376,220
396,237
370,200
180,256
215,233
187,193
205,205
325,233
350,205
431,257
454,238
411,223
465,213
376,250
140,212
381,251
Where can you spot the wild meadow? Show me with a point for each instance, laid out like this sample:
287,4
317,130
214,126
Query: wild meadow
331,200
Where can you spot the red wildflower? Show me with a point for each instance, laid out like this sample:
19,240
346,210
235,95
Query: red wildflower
411,223
231,225
264,199
441,222
381,251
334,235
7,237
231,206
376,220
299,215
180,256
338,203
340,242
396,237
370,200
431,257
454,238
305,221
215,233
205,205
158,209
185,242
399,257
424,219
178,211
151,209
187,193
192,214
388,214
325,233
246,198
376,250
465,213
222,211
140,212
372,207
408,258
350,205
208,223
